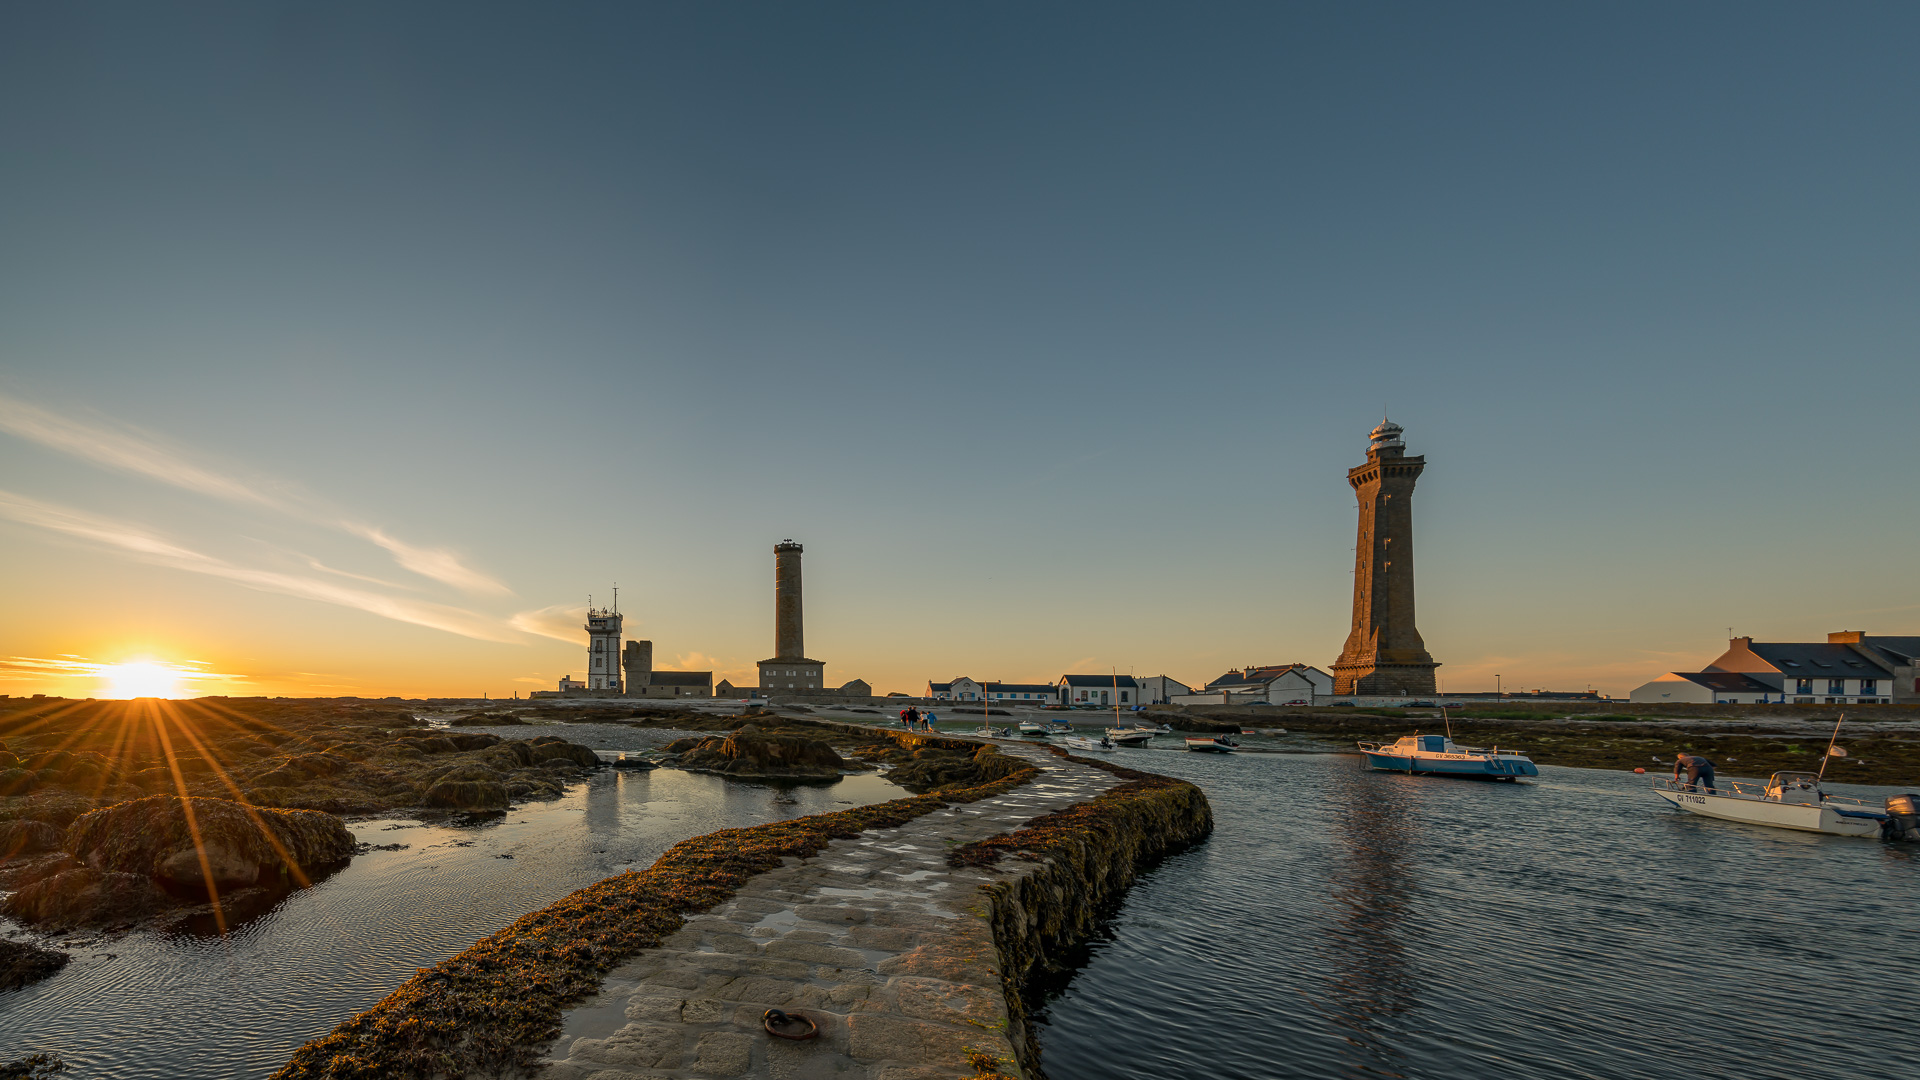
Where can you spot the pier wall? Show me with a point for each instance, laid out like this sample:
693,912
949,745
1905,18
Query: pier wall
908,930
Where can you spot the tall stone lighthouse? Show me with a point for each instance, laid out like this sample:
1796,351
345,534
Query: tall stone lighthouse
1384,653
789,669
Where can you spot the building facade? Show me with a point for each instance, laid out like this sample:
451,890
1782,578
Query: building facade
1101,690
1384,653
1161,689
1851,667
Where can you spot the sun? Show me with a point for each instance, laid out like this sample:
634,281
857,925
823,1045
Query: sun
143,679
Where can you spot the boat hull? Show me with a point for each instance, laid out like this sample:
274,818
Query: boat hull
1463,765
1802,817
1209,746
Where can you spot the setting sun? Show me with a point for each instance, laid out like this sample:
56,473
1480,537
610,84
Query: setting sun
145,679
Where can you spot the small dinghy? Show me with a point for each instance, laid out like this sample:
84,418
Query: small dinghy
1439,755
1035,731
1212,744
1081,742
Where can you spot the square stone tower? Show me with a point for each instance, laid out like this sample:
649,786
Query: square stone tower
1384,653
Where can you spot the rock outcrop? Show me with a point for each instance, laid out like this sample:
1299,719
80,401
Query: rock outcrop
191,843
86,898
22,962
750,753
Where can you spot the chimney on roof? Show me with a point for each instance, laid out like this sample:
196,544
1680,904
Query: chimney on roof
1847,637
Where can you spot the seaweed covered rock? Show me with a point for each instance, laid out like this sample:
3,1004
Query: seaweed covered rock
27,838
237,845
22,962
933,769
548,748
84,897
467,795
484,720
748,752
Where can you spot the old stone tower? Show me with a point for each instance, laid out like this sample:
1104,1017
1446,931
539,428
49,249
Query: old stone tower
789,669
1384,653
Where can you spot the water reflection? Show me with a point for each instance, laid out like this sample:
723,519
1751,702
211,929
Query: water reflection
1371,889
153,1006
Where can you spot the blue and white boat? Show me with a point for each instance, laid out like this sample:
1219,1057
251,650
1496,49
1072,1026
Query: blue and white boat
1439,755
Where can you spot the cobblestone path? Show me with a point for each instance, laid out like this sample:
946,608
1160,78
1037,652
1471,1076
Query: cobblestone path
876,939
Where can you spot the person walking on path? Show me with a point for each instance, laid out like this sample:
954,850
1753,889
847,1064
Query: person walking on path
1698,769
913,718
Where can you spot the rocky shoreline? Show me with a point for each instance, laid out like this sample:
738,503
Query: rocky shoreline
196,815
485,1010
1879,752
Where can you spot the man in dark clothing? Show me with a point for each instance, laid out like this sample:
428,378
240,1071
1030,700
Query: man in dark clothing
913,717
1698,769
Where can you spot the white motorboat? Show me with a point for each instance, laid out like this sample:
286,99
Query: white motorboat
1212,744
1081,742
1133,736
1033,730
1788,800
1059,727
1439,755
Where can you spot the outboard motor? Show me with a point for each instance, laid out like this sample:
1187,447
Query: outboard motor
1903,818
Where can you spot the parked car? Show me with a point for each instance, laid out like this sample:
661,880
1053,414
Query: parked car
1453,705
1337,704
1419,705
1295,701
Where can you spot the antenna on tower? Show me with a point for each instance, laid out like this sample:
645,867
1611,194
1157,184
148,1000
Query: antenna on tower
616,598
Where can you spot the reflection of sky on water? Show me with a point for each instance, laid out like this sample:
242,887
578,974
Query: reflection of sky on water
1344,924
145,1006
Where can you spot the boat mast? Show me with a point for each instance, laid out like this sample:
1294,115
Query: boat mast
1115,672
1828,756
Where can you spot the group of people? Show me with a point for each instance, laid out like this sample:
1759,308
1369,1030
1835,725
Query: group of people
915,720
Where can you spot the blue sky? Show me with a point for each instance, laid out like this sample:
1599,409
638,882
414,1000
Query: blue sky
1051,332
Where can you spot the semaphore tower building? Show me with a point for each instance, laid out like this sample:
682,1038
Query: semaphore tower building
1384,653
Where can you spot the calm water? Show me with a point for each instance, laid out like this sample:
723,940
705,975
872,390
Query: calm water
1342,923
165,1007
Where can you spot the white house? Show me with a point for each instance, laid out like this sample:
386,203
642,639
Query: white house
1103,690
1707,688
1161,689
939,691
1275,684
1032,693
1850,668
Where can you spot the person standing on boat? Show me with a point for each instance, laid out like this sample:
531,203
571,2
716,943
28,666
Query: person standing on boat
1698,769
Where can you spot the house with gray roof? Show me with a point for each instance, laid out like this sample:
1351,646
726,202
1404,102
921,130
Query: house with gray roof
1851,667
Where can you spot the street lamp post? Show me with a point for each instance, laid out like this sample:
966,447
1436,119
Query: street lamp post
1498,696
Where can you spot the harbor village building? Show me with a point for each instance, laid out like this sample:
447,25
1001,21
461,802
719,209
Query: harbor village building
1851,667
1277,684
1103,690
965,689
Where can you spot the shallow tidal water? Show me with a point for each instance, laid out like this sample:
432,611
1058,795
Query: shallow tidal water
1342,923
152,1006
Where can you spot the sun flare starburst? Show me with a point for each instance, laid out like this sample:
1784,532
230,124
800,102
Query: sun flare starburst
144,678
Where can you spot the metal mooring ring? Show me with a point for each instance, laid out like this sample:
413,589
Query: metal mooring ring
782,1025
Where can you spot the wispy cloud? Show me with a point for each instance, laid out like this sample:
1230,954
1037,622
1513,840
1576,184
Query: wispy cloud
130,450
437,563
41,668
142,544
125,450
561,622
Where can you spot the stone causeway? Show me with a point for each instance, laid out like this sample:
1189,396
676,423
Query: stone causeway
887,948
